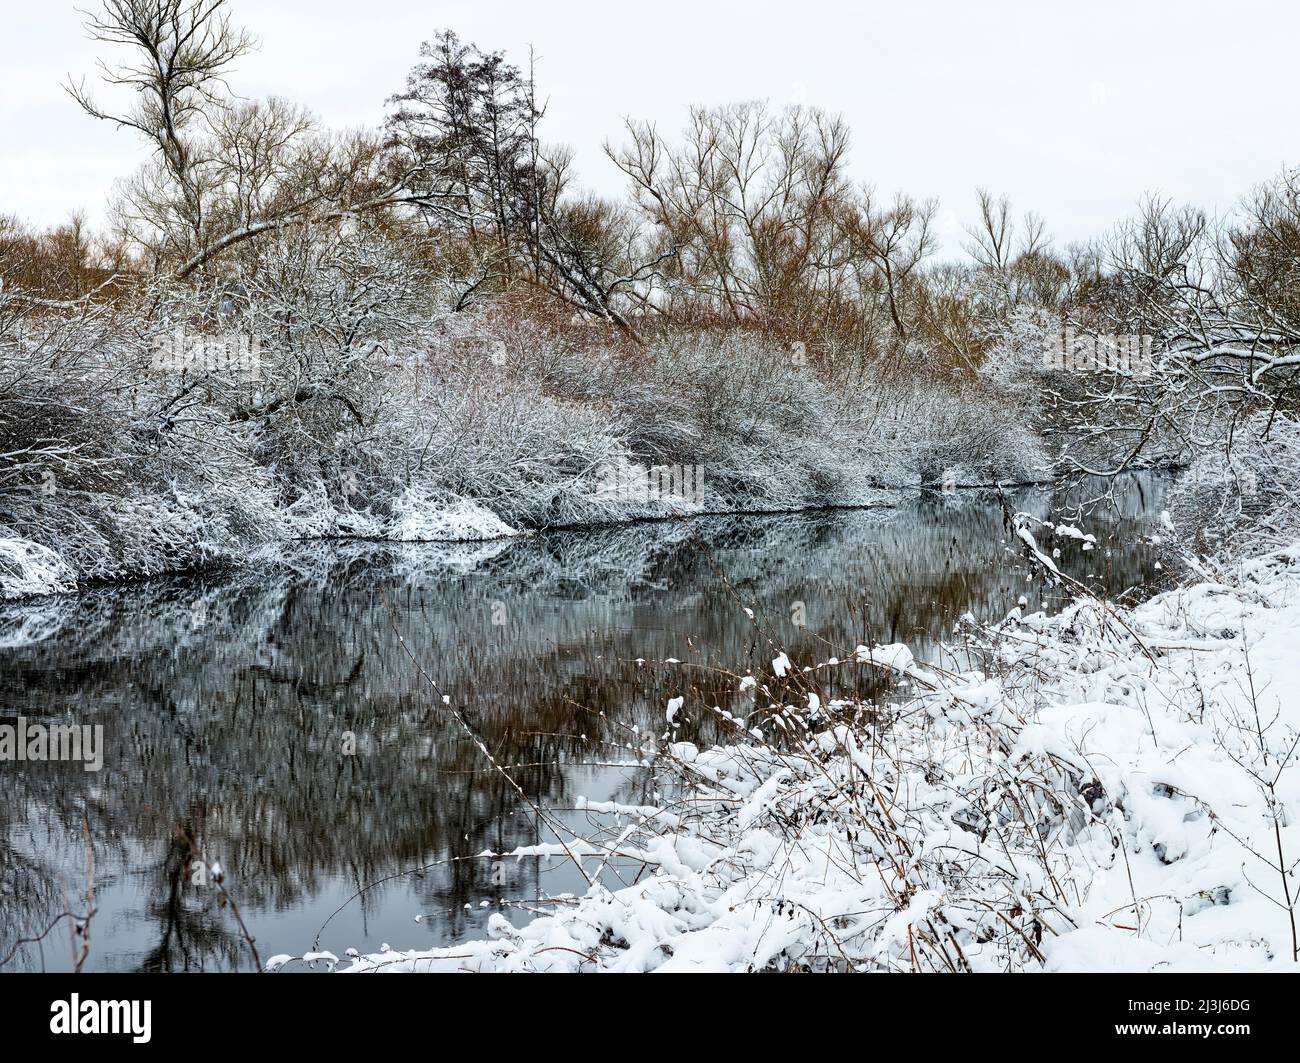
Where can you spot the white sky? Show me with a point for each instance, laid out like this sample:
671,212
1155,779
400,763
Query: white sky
1072,110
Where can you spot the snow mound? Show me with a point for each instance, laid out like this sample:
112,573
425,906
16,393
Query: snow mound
416,518
28,568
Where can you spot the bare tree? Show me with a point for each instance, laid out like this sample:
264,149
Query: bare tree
223,171
464,135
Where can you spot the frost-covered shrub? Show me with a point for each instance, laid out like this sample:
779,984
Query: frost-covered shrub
763,428
28,568
1073,400
101,535
1017,354
967,433
374,413
115,468
475,430
1244,495
421,518
529,442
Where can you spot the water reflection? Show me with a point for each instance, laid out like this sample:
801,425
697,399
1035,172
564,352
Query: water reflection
227,700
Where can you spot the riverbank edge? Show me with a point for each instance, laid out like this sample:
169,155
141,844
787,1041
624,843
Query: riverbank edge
885,498
61,580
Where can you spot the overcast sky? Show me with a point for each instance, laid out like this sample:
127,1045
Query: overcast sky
1073,110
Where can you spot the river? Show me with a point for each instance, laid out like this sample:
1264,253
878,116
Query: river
270,719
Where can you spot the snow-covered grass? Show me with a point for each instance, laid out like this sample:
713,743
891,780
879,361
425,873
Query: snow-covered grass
1112,789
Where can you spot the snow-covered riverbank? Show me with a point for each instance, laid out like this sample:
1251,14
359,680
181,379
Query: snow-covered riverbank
1116,790
451,445
31,570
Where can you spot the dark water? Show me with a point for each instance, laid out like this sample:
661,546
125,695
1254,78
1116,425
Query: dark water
226,702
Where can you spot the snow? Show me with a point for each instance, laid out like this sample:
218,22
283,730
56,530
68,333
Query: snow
1118,793
454,448
1071,532
896,656
28,568
416,520
416,516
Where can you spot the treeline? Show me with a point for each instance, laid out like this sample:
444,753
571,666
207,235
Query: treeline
436,319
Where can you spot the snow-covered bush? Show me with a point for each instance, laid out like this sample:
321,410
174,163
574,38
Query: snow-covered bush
763,428
28,568
965,433
1245,495
1017,351
116,467
1070,398
369,410
527,432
